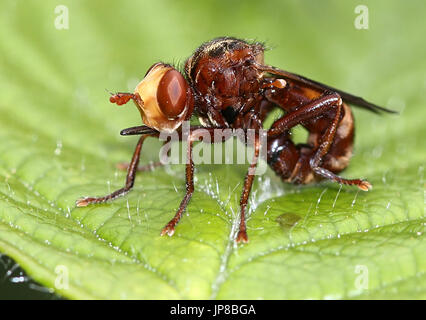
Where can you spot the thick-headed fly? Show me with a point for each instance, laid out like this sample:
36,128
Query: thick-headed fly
226,84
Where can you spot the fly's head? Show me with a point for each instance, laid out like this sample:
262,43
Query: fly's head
163,98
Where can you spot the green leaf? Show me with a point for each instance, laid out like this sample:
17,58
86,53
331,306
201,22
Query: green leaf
59,141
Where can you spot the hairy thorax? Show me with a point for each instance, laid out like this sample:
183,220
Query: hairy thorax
225,81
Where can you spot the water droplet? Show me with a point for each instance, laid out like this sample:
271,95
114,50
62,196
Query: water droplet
58,149
287,220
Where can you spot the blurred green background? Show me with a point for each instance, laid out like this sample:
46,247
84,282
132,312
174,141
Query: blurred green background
54,108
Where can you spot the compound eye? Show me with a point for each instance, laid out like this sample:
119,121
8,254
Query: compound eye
172,93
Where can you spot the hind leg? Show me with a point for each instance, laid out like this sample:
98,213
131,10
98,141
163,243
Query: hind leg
311,110
317,163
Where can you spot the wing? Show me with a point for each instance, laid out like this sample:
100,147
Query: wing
303,81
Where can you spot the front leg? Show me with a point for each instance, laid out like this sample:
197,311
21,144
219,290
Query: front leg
121,98
130,179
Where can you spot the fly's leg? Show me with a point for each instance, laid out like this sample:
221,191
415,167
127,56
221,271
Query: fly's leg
121,98
130,179
313,109
316,160
248,182
148,167
170,227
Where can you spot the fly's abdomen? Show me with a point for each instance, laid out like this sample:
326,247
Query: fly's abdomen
282,156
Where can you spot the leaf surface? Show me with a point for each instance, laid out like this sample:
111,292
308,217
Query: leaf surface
59,141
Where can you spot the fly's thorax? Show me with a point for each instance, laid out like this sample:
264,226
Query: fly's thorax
223,74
